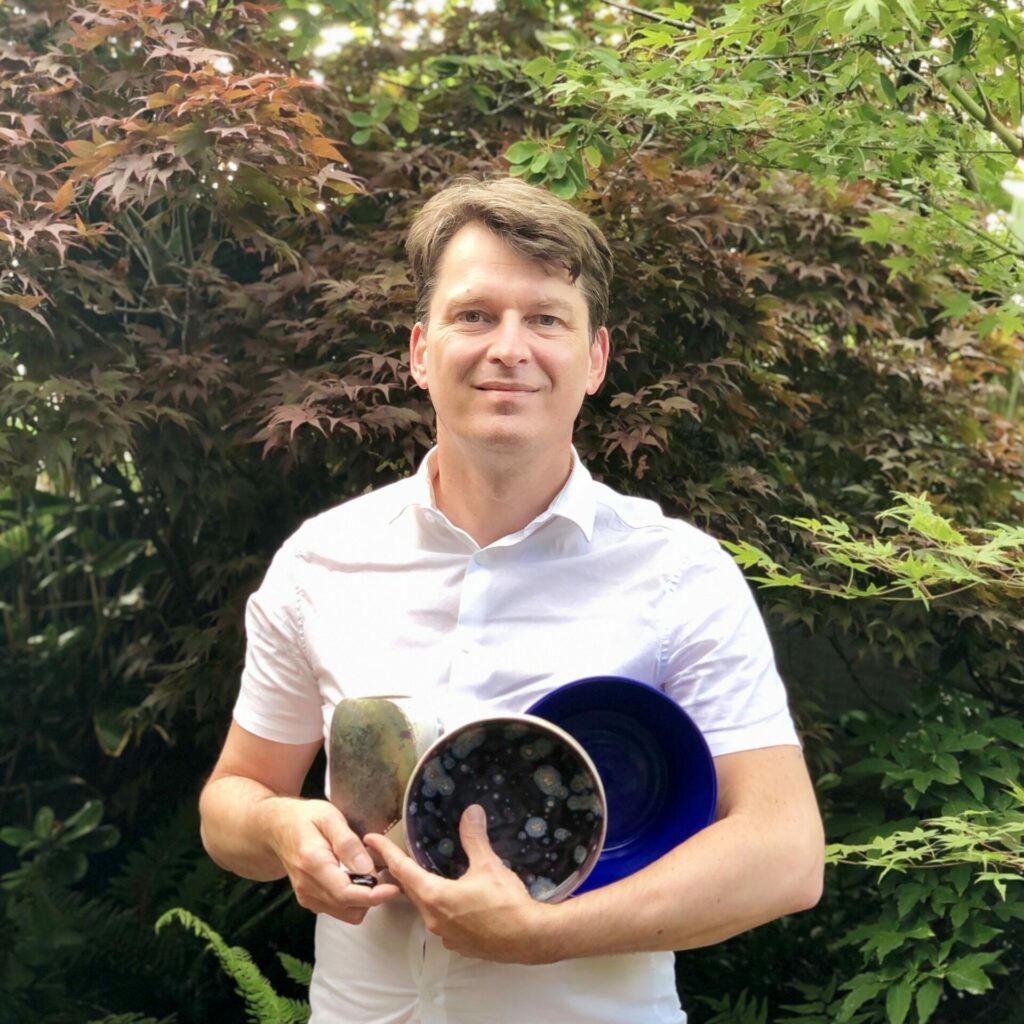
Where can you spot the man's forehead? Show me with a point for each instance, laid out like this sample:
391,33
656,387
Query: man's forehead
478,266
475,250
467,293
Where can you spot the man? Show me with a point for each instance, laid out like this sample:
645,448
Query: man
499,571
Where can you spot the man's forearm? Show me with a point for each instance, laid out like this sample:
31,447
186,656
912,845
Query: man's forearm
724,881
237,825
763,858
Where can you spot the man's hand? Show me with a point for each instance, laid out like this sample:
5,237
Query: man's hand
315,846
253,823
487,913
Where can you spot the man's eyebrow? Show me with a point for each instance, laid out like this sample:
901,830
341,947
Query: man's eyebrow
474,299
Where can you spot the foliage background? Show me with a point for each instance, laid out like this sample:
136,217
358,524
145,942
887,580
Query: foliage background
817,327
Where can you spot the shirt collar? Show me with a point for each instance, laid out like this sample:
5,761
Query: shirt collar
575,501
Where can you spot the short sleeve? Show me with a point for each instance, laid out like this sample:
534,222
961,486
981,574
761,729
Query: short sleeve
279,698
717,661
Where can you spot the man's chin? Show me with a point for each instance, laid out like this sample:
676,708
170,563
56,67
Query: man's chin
505,437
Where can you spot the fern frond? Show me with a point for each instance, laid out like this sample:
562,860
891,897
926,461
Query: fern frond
295,1011
298,970
153,870
744,1008
263,1005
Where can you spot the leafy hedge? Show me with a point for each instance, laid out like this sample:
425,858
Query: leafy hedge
202,344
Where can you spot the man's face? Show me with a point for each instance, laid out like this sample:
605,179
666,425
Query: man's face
506,357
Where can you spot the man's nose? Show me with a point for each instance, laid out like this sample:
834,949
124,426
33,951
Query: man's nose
508,341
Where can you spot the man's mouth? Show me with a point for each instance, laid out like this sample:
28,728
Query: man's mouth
511,387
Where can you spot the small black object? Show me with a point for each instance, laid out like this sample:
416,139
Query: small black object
366,881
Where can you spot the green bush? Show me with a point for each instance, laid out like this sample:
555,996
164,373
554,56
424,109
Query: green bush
195,356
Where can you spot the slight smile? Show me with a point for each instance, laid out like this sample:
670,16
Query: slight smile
507,388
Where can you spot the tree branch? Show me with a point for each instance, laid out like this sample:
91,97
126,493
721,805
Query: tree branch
650,15
982,114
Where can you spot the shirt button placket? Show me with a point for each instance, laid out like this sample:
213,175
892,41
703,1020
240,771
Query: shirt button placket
435,969
467,626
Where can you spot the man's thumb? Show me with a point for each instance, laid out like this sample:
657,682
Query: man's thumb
473,830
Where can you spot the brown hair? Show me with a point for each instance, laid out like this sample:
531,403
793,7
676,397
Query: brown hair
530,220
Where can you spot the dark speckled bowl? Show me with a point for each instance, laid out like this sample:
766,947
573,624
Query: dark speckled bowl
546,809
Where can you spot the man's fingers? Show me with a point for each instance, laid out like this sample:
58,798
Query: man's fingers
405,870
473,831
345,901
366,898
346,846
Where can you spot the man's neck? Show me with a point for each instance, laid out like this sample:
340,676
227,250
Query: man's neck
493,498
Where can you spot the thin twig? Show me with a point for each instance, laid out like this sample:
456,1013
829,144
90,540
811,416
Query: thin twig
651,16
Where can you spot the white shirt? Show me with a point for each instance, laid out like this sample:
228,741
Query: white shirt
383,595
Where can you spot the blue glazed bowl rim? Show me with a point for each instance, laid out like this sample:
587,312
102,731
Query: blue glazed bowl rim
609,869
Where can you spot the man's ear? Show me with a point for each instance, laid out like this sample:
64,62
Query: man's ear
599,349
418,354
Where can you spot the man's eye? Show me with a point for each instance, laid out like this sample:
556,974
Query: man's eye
548,320
472,316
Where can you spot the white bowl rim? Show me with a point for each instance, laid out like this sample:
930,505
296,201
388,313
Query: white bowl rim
567,887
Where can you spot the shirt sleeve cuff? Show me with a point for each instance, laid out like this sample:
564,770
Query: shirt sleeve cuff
777,731
268,728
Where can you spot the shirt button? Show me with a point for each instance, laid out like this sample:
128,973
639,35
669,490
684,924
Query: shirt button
430,994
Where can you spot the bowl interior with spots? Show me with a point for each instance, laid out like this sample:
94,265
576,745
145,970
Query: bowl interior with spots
543,798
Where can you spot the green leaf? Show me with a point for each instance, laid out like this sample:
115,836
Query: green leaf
888,89
860,992
478,96
104,838
975,784
593,155
521,152
956,306
885,942
409,117
117,555
362,136
967,975
540,161
867,11
959,914
84,820
897,1001
191,138
1010,729
65,867
950,767
907,6
556,166
13,836
927,999
962,45
43,823
564,188
381,110
538,66
562,40
113,730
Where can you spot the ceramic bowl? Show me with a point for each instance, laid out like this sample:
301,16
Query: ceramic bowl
658,773
543,796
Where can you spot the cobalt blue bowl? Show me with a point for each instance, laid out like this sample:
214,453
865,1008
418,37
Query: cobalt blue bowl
658,773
